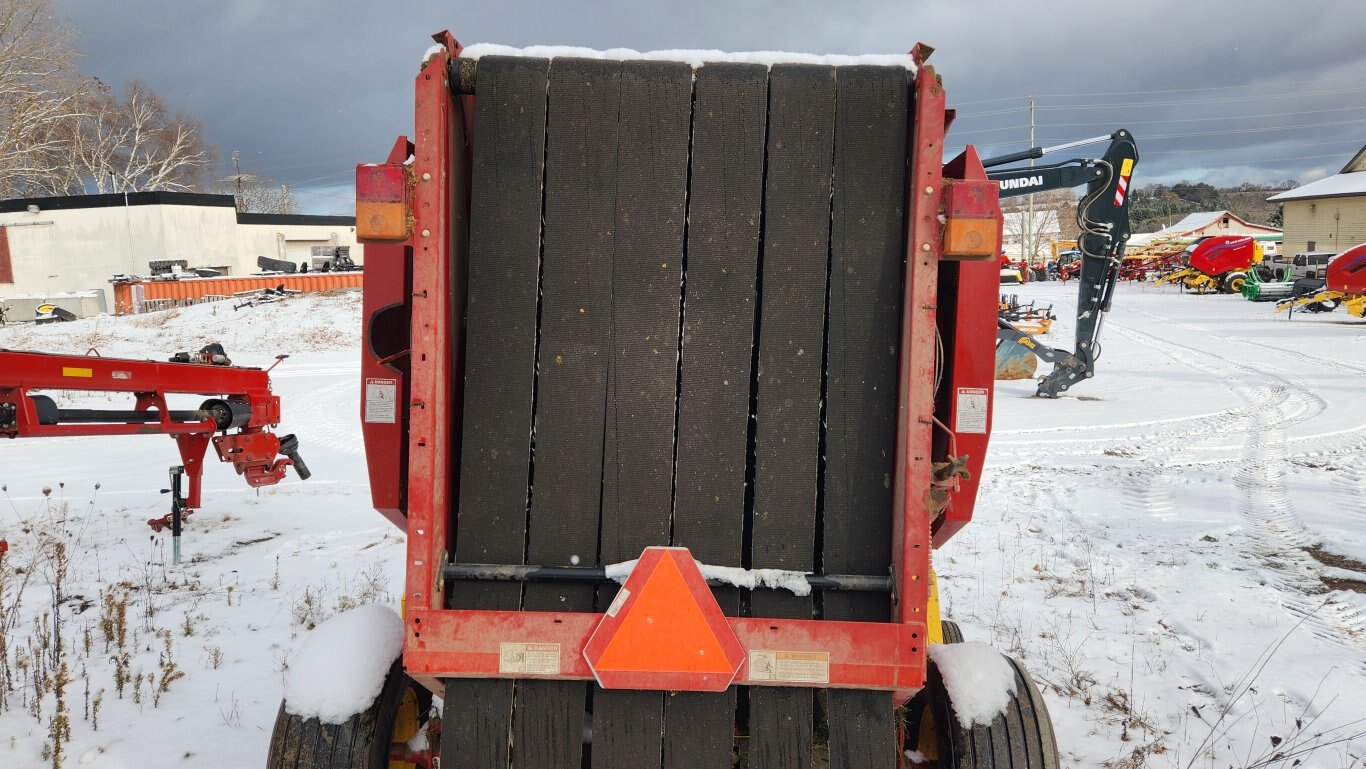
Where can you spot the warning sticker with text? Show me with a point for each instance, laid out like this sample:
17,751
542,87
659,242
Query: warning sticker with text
797,667
618,602
971,414
381,400
531,659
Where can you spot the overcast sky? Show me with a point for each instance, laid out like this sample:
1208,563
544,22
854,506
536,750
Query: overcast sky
1221,91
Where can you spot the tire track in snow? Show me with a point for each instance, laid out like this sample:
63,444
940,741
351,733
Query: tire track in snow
1328,444
1349,486
1278,541
1280,400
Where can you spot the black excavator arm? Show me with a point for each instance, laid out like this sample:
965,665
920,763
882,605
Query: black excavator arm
1103,217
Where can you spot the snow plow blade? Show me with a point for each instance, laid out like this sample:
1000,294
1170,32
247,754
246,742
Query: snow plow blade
1014,360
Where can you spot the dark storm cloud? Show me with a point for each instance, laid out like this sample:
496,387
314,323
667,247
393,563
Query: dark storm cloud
305,89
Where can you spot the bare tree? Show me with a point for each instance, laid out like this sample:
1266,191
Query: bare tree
1063,204
136,143
257,193
1034,238
39,95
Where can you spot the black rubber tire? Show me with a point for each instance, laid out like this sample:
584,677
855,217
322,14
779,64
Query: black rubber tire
951,632
1233,282
1020,738
360,743
915,709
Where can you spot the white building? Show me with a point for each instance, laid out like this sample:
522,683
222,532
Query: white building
66,245
1329,214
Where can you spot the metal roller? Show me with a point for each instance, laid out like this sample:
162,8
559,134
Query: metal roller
227,414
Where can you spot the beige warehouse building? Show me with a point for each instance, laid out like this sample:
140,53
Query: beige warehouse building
60,246
1329,214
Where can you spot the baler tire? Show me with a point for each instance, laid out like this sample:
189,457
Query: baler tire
1234,281
361,742
1019,738
917,708
951,633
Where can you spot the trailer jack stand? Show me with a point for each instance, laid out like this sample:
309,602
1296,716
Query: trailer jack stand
177,515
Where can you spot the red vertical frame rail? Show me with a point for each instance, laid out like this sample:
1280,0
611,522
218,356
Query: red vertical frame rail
438,171
915,421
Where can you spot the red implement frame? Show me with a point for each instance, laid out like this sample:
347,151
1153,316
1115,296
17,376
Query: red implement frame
947,302
252,449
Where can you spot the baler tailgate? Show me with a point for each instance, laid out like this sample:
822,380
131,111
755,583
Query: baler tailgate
583,334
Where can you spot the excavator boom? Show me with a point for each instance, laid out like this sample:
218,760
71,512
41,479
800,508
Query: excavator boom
1103,218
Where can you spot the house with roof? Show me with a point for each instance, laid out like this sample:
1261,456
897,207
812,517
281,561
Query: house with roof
1204,224
1329,214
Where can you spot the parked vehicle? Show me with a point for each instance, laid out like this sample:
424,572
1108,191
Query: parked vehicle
1310,264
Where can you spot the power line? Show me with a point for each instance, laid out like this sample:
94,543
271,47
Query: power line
1206,119
993,112
1350,143
328,176
1256,160
1145,104
1231,131
1204,89
1257,97
1192,90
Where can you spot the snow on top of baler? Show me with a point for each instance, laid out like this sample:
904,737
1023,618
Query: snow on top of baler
695,58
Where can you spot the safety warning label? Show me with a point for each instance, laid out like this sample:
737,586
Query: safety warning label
797,667
618,602
381,400
971,415
532,659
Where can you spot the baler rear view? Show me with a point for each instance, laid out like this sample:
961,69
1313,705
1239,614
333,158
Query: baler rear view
673,376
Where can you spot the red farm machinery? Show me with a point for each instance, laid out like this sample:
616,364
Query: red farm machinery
1220,264
236,419
674,376
1344,284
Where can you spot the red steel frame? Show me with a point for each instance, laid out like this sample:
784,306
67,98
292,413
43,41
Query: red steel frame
252,450
443,643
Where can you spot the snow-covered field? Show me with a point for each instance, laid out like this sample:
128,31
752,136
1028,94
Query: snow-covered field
1174,549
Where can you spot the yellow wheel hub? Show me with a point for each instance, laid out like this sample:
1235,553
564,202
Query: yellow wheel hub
406,725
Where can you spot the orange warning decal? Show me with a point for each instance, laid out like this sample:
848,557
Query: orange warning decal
668,633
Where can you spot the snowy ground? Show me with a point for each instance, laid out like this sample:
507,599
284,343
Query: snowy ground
1173,549
1162,548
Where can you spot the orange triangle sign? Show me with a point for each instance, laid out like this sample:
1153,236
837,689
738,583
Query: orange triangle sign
664,631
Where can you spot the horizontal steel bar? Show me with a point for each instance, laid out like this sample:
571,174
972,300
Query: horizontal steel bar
444,644
95,416
516,573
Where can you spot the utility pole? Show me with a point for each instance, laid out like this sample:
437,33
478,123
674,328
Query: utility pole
237,175
1029,228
